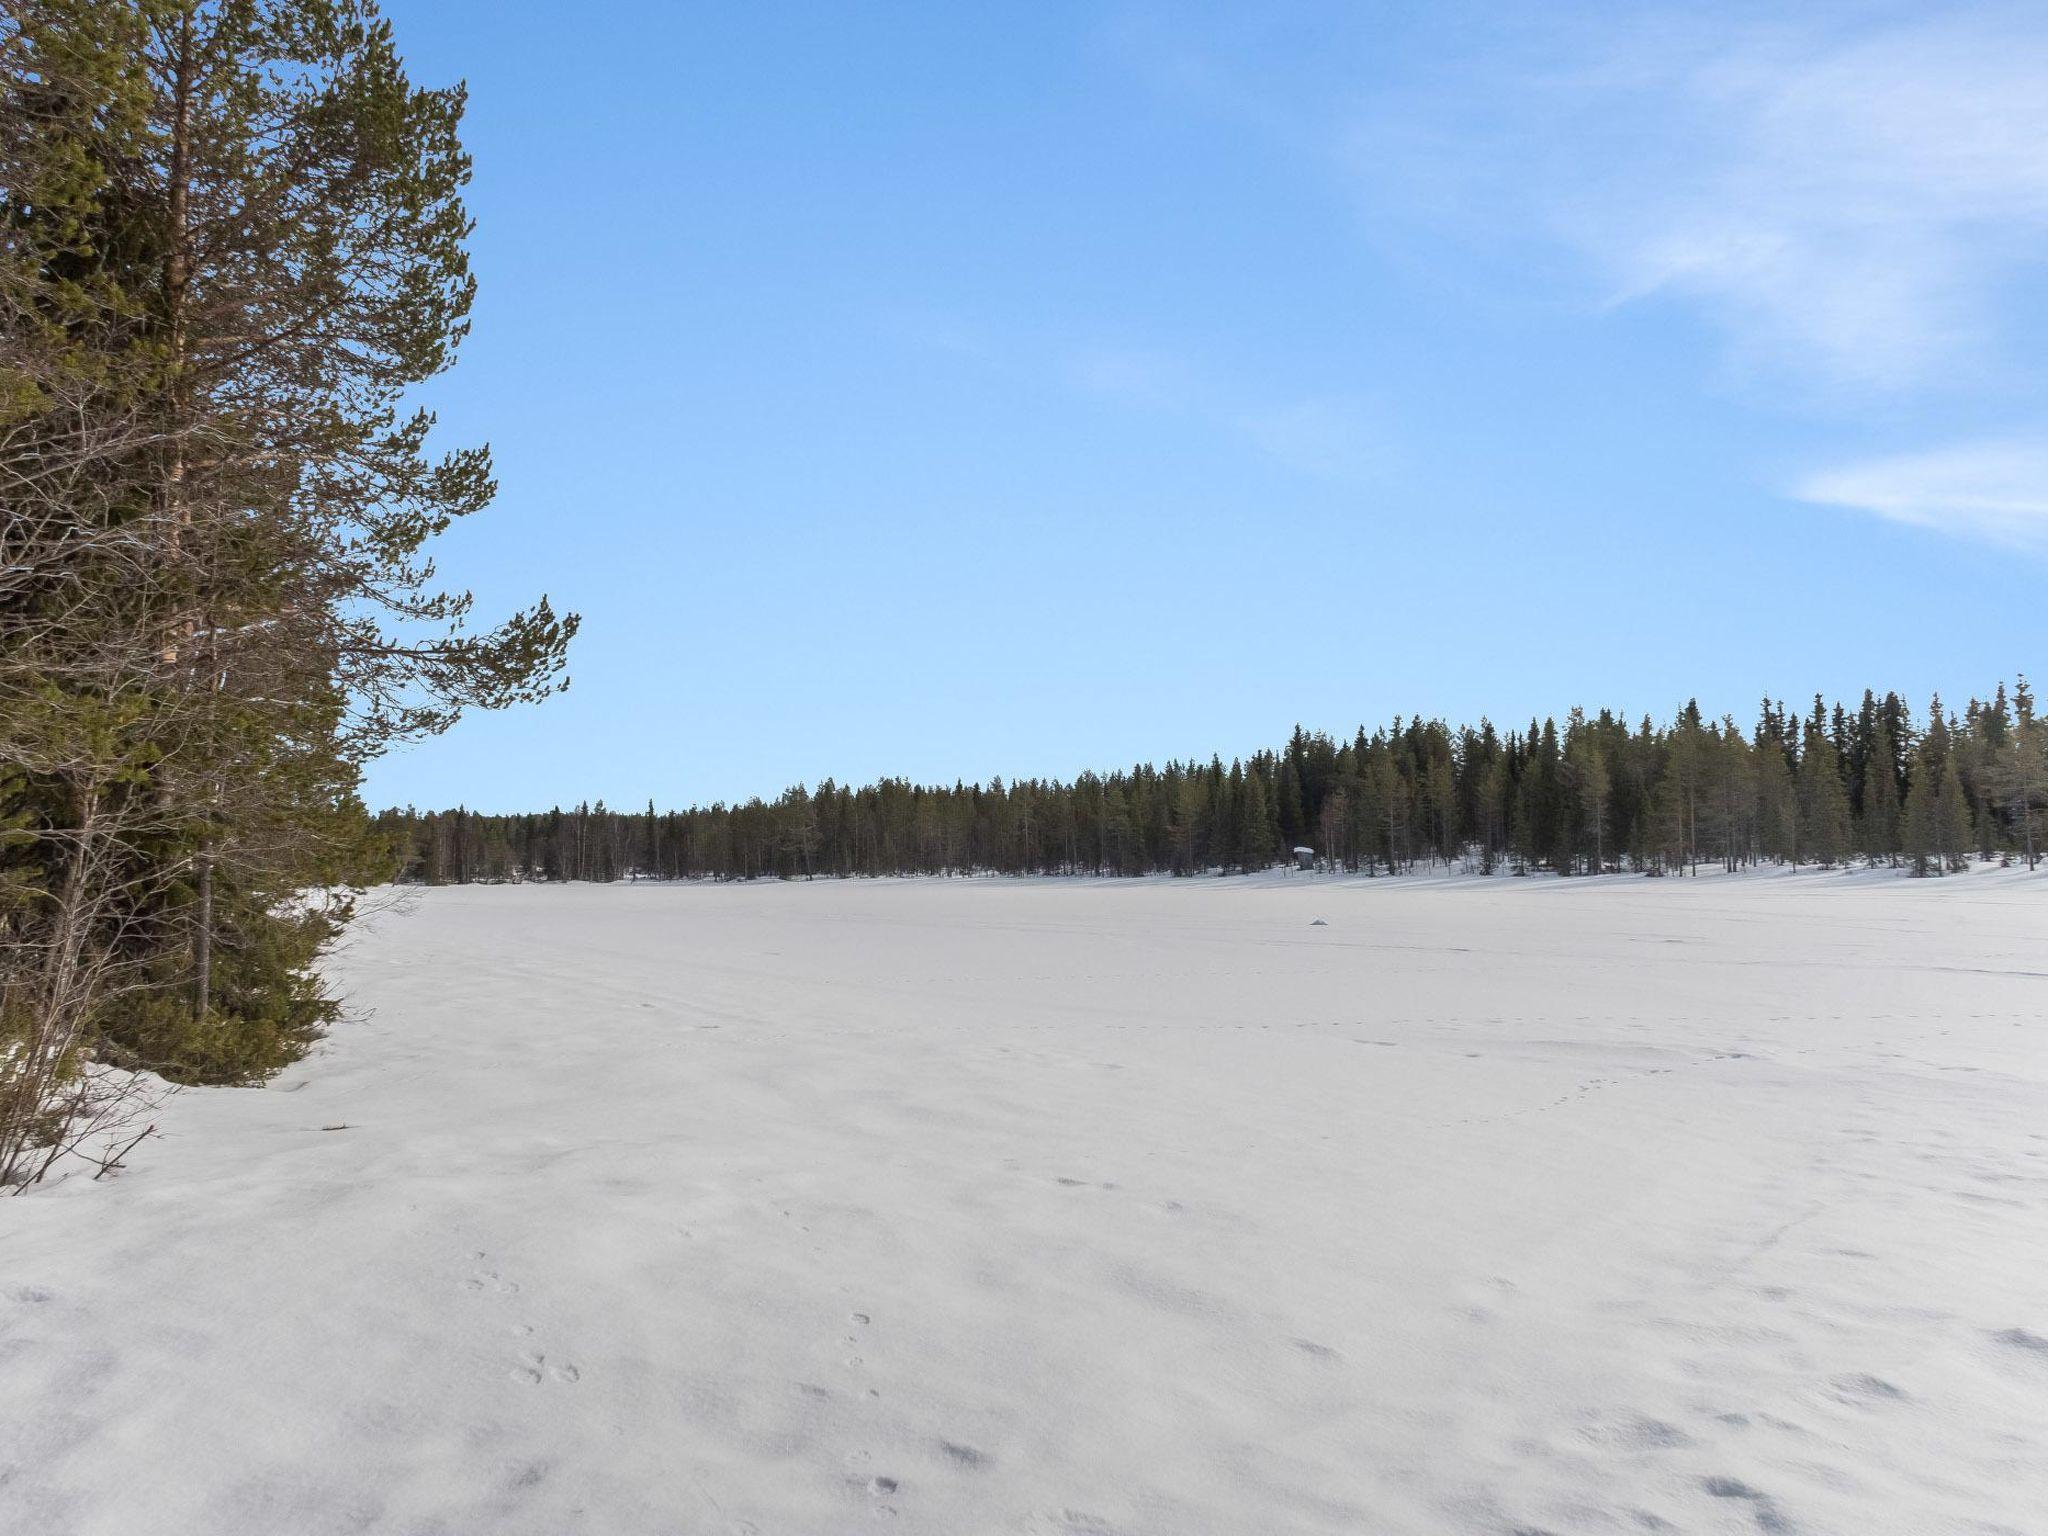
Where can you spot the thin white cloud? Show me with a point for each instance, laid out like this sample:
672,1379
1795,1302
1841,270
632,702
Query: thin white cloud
1845,198
1857,204
1990,490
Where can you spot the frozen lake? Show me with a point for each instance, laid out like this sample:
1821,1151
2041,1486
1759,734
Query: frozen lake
1085,1209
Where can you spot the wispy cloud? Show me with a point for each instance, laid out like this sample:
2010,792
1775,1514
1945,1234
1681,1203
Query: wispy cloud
1845,198
1855,203
1991,490
1852,194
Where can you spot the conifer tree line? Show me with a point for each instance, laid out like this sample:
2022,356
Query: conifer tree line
1825,787
232,238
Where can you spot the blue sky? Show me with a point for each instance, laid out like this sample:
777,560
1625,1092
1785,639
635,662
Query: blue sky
948,390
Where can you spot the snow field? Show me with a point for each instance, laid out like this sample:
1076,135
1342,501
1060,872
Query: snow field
1085,1208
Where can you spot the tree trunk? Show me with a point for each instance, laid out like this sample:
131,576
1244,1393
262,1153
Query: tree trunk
202,962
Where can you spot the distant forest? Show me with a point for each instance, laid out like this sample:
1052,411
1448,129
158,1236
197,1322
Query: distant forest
1829,787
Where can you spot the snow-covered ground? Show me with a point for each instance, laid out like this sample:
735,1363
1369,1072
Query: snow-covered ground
1081,1208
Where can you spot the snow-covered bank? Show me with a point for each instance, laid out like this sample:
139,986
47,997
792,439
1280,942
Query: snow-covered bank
1085,1207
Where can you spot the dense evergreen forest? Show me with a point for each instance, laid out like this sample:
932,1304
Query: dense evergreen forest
1827,787
232,240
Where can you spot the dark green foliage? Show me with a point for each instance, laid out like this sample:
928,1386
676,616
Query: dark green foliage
1937,833
1594,796
1823,797
231,243
268,1007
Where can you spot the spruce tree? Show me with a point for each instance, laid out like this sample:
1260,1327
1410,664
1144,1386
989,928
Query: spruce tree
2021,775
1937,825
1919,830
1952,818
1881,806
1823,799
1289,808
1777,797
1593,786
1255,831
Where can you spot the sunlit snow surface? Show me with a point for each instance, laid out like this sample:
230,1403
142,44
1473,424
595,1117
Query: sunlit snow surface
1085,1208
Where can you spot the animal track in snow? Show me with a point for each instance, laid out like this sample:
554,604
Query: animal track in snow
1635,1432
2019,1338
1761,1504
963,1455
534,1369
858,1320
1863,1388
1316,1351
880,1488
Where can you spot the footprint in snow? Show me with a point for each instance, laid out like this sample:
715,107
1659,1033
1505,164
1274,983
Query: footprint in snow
1635,1432
535,1369
963,1455
1865,1388
2019,1338
876,1488
489,1280
1762,1506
